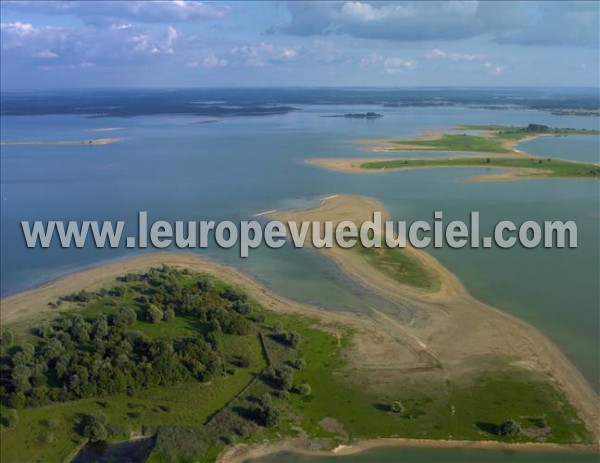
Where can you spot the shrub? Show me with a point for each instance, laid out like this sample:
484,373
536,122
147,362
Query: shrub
304,389
508,428
10,418
396,407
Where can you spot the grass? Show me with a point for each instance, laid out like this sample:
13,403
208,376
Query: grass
508,131
200,419
452,142
183,404
487,143
400,266
552,167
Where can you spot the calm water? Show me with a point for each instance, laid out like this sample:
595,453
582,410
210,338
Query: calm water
175,168
579,148
395,455
121,452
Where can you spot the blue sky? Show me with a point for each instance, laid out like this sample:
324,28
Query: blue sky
47,44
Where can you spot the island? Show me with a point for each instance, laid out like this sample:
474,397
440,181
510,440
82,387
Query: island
198,362
496,143
369,115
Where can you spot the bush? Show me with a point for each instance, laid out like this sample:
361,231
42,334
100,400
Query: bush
508,428
10,418
153,314
298,364
304,389
396,407
169,315
94,427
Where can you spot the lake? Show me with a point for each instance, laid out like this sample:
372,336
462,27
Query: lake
178,168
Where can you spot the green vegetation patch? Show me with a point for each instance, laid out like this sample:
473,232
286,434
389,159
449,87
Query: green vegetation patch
221,371
458,142
552,167
400,266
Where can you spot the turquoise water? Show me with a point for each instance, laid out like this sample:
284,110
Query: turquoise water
395,455
177,169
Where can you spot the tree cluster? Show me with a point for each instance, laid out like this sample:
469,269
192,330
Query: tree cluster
75,356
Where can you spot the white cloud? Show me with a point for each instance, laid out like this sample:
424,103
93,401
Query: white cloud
396,65
209,61
373,58
46,54
263,53
494,69
17,28
437,53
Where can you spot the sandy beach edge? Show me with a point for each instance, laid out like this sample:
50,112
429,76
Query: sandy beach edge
303,446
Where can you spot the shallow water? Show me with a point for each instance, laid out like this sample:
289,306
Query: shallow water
581,148
424,455
175,168
136,451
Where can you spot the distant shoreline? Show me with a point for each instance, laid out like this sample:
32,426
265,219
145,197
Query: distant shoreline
91,142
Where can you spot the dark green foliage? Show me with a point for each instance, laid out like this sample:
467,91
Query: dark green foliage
77,357
396,407
266,413
10,418
93,427
298,364
291,339
280,378
304,389
508,428
6,338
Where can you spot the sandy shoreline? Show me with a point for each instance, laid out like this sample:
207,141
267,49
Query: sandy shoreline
391,145
382,146
302,446
444,333
354,166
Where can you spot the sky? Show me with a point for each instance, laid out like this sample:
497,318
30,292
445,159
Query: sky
78,44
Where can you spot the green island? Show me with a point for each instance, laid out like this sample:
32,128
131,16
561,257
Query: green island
535,166
197,365
497,139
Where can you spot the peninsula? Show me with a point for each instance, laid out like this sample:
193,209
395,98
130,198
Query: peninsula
258,367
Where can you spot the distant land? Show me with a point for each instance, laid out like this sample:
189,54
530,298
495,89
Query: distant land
369,115
227,102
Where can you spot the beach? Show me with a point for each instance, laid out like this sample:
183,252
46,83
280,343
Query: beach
443,335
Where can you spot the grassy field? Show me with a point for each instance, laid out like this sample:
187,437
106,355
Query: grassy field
511,131
491,142
553,167
186,404
459,142
399,265
196,421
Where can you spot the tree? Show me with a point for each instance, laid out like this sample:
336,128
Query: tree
153,314
508,428
6,338
124,317
94,427
169,315
298,364
100,326
10,418
397,407
304,389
